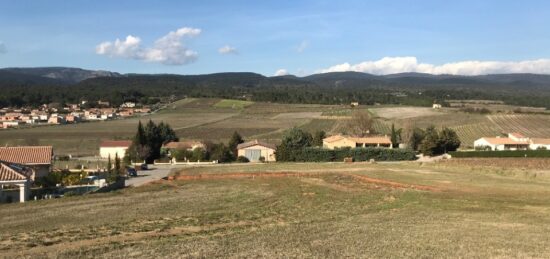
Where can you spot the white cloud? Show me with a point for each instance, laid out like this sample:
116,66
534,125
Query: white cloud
168,50
227,50
303,46
392,65
281,72
2,48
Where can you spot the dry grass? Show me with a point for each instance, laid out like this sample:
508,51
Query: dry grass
327,215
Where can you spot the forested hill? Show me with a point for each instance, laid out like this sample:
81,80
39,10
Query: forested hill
35,86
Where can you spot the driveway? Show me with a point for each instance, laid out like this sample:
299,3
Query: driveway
156,172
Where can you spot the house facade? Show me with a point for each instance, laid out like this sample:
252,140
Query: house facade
341,141
189,145
254,150
112,148
514,141
37,158
18,176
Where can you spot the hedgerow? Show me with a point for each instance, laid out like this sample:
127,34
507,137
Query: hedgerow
506,153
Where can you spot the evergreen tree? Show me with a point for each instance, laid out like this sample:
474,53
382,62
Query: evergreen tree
235,140
318,138
293,141
431,144
394,137
449,141
109,165
416,138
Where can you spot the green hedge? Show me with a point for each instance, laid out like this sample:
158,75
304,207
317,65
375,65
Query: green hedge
507,153
358,154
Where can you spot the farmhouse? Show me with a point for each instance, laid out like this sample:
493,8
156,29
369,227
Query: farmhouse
37,158
254,150
13,175
436,106
340,141
514,141
112,148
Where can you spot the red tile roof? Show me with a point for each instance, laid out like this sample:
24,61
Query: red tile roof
30,155
115,143
541,141
10,174
255,143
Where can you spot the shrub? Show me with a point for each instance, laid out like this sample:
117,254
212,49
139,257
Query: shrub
242,159
314,154
262,159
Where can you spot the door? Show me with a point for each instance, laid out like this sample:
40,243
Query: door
253,154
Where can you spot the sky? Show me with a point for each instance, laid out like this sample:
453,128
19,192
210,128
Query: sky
278,37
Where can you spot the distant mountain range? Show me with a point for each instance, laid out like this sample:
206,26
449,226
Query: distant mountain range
68,76
50,75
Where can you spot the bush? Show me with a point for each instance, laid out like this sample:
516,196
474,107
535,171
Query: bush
242,159
314,154
262,159
511,153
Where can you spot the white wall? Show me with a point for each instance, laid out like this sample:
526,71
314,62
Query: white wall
104,152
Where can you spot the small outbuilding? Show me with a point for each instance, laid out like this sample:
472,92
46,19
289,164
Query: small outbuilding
254,150
111,148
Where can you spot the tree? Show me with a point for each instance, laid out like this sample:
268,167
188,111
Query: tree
318,138
360,123
148,141
416,137
294,140
395,136
221,153
449,141
235,140
109,165
431,144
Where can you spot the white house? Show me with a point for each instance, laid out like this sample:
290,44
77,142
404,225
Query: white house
111,148
436,106
254,150
514,141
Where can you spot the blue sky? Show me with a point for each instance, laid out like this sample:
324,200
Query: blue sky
297,37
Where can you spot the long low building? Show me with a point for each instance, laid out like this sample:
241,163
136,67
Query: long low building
341,141
514,141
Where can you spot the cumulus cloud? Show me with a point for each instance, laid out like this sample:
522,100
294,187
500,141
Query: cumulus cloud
169,49
303,46
281,72
2,48
392,65
227,50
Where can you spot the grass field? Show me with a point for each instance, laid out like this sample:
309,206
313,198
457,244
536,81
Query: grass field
327,210
217,119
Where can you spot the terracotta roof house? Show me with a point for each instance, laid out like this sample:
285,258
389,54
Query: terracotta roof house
254,150
514,141
340,141
14,175
112,148
38,158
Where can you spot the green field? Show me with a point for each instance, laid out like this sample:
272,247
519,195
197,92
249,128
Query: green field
325,211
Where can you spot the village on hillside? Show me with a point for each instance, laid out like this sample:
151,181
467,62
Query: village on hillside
54,114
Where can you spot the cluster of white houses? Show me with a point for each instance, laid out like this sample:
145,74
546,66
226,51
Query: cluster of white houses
514,141
72,113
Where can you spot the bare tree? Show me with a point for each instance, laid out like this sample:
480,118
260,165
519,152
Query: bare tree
408,129
360,123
